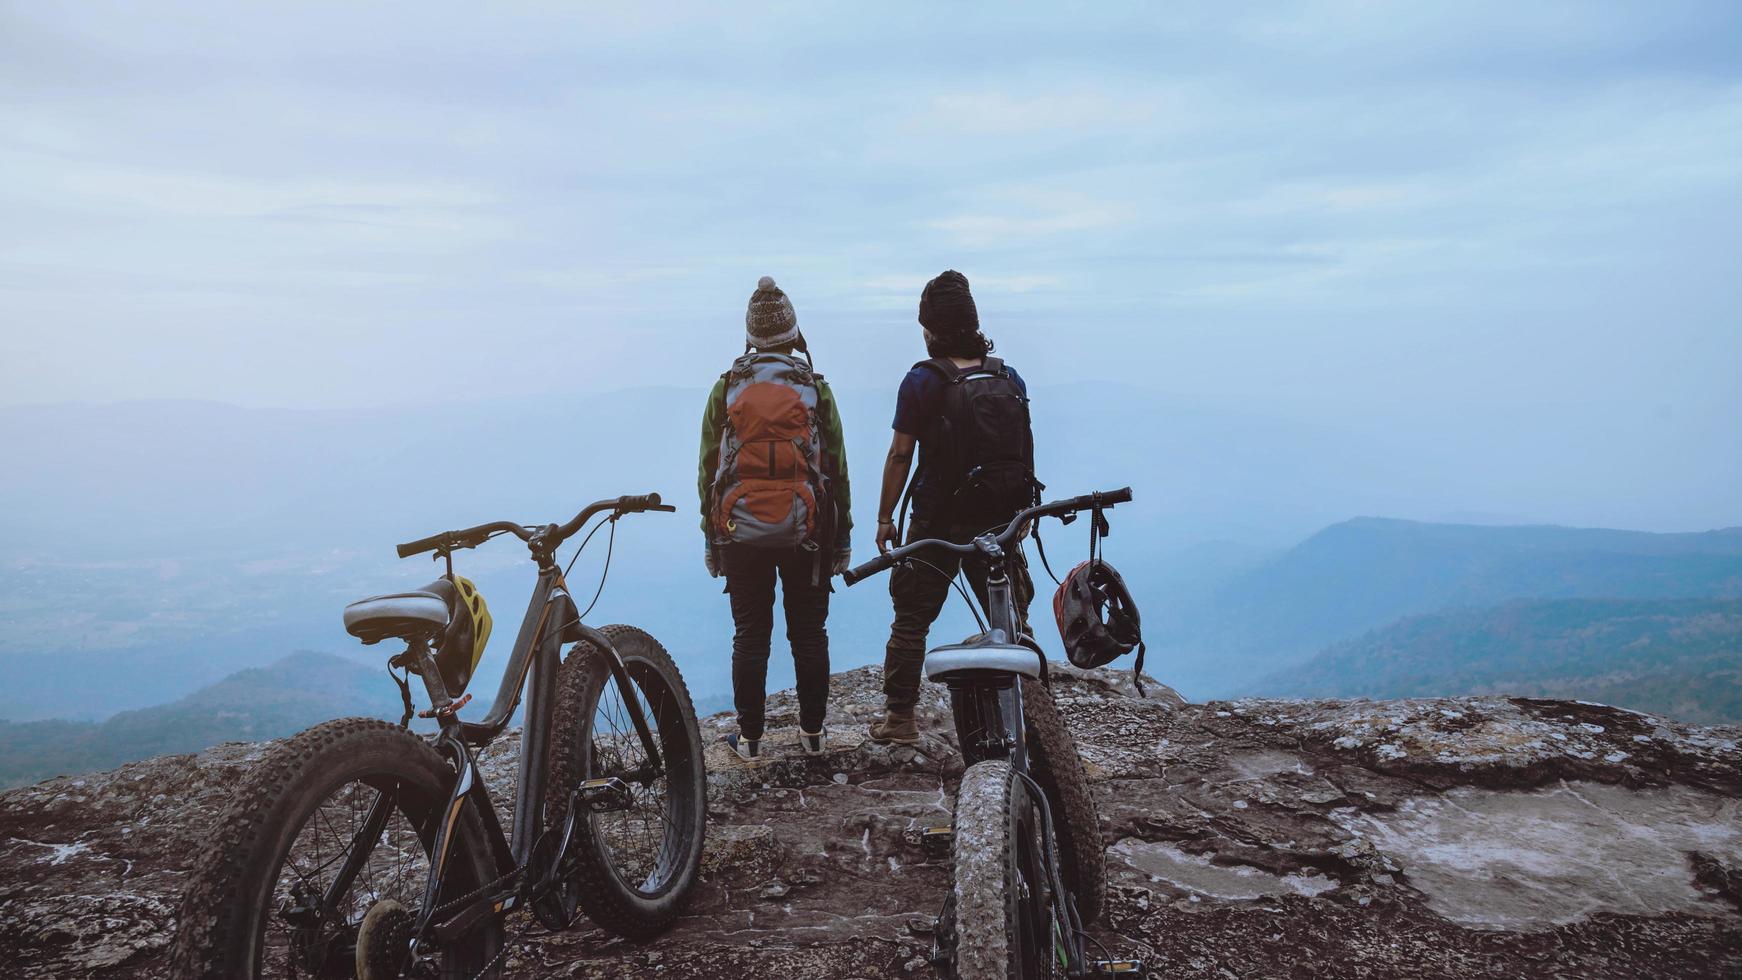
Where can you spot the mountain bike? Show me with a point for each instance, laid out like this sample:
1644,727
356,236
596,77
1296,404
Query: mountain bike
1030,868
359,848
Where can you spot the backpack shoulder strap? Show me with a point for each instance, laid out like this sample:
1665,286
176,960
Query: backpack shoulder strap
992,365
945,367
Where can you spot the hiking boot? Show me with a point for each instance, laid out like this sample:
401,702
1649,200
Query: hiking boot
812,742
897,725
748,749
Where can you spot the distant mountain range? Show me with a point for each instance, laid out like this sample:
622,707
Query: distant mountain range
1677,657
250,705
150,548
1390,608
1366,573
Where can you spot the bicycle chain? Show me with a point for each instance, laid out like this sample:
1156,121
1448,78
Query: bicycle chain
474,893
508,942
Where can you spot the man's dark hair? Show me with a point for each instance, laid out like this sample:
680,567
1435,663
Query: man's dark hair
946,310
964,345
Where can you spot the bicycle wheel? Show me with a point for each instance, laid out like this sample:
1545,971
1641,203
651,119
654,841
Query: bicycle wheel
1004,924
635,861
1056,766
254,904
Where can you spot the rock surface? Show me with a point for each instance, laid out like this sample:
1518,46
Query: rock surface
1471,837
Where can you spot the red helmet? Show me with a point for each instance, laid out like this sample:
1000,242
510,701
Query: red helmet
1097,618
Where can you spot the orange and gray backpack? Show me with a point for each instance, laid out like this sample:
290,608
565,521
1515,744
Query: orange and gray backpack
770,489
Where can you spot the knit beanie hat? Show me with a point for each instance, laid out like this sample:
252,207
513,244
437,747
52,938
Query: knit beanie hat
946,307
770,320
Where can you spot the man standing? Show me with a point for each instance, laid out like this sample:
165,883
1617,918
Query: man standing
968,413
775,502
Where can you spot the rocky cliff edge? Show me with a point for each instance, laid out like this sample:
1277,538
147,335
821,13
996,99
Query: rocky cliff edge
1467,837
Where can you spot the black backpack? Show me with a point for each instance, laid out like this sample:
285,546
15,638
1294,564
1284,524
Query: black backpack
978,456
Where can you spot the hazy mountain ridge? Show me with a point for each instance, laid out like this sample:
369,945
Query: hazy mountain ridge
150,548
1676,657
1365,573
256,703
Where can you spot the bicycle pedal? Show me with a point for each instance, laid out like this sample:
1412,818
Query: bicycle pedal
937,841
604,795
1120,968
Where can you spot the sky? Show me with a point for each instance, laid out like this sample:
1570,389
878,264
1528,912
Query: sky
1460,220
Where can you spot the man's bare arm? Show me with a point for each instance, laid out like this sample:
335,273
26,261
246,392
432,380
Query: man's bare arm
896,466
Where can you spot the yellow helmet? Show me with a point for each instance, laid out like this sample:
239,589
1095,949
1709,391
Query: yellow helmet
462,646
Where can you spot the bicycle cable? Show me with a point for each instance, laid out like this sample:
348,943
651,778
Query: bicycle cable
958,587
577,555
611,520
604,573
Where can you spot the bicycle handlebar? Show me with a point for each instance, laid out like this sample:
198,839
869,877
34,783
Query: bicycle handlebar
1103,499
554,536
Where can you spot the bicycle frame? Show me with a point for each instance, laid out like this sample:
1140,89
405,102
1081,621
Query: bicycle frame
551,620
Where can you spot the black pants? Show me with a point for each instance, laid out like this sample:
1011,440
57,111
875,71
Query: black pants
918,594
750,574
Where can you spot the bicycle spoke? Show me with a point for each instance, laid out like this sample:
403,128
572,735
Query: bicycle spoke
637,838
393,867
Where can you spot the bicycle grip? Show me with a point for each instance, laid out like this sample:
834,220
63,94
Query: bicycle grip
852,576
1107,498
421,545
631,503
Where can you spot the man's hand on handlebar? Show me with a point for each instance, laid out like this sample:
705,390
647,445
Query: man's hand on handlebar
886,536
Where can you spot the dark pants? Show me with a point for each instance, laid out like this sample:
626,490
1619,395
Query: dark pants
918,594
750,576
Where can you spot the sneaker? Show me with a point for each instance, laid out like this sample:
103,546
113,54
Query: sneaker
897,725
812,742
748,749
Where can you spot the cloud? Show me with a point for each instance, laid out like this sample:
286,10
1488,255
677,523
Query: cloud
1230,190
1019,229
1048,113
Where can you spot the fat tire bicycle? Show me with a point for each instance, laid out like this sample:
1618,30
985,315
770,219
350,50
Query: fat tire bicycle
359,848
1029,864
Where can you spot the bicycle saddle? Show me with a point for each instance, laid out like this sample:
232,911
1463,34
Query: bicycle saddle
986,651
399,614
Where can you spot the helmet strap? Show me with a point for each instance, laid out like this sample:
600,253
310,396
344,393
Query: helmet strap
1098,529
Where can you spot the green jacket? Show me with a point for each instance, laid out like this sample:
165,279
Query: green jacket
834,455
